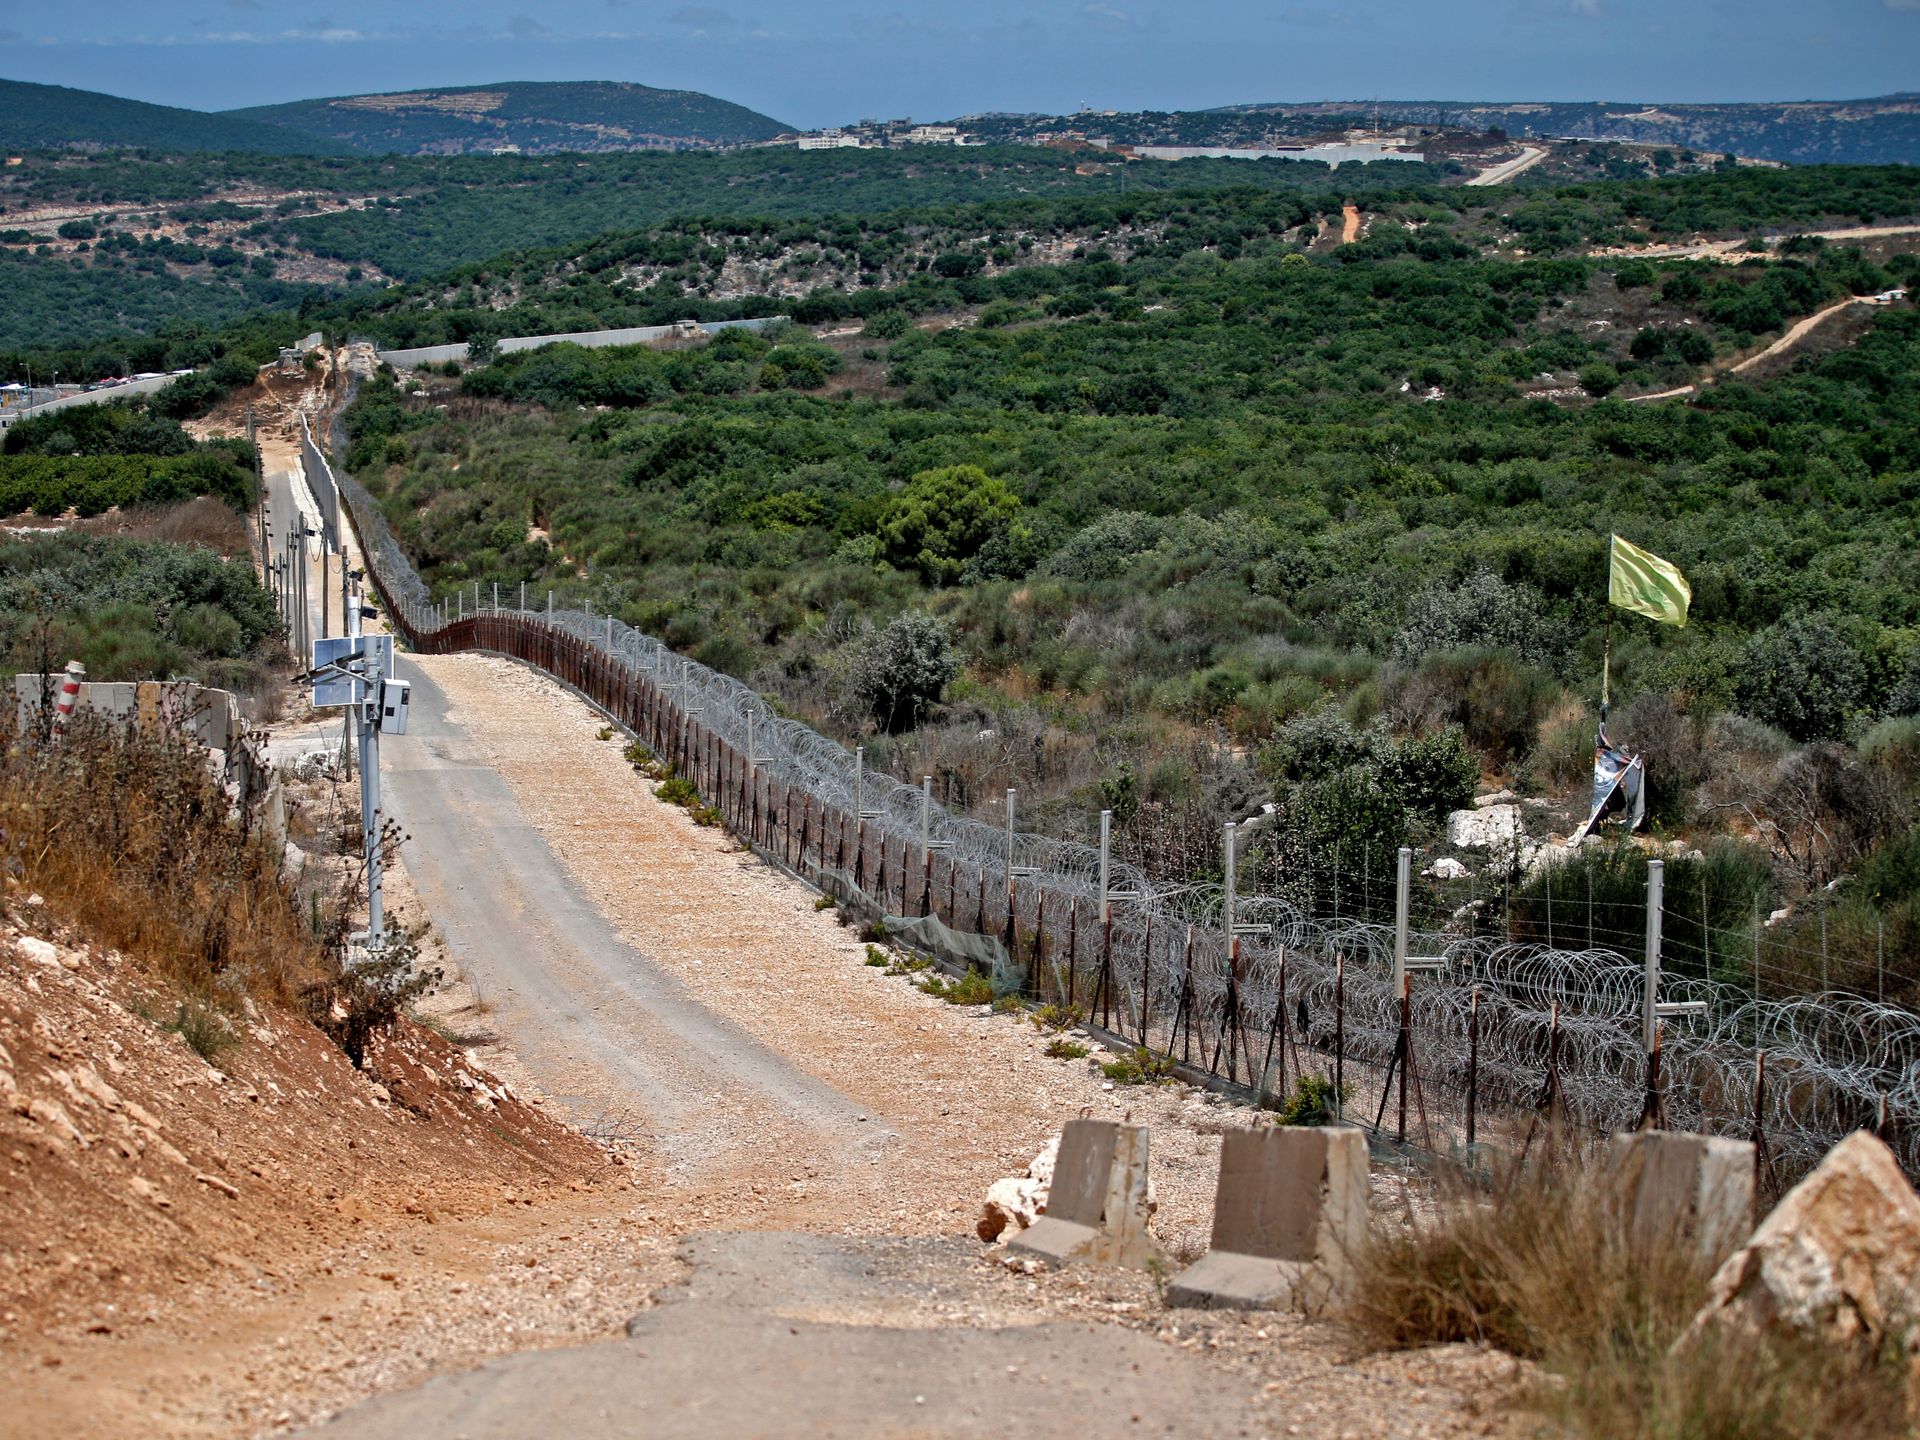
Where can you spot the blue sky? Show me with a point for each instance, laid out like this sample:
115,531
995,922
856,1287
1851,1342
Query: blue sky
815,62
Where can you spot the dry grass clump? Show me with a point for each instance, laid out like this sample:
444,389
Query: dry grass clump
130,836
204,521
1543,1266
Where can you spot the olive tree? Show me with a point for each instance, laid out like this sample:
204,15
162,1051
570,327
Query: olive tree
900,672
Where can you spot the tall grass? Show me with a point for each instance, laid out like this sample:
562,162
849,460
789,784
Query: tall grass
1544,1266
130,836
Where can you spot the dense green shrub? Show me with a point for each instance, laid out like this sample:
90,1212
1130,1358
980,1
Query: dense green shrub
92,484
944,518
901,672
1495,699
1482,611
131,609
1805,676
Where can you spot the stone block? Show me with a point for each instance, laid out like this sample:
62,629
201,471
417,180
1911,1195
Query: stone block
1289,1214
1097,1206
1682,1188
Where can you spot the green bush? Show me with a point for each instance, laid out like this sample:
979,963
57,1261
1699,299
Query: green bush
1481,612
944,518
1497,701
128,609
1311,1103
901,672
92,484
1804,675
972,988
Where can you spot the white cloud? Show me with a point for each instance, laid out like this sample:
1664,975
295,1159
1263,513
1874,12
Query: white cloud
1107,17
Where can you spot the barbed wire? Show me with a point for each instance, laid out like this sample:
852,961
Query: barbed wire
1835,1061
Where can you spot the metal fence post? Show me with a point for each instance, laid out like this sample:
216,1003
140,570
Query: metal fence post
1402,887
1650,997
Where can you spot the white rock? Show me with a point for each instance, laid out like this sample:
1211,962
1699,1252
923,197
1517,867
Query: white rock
1447,868
38,951
1015,1203
1010,1206
1040,1168
1837,1261
1496,826
1498,797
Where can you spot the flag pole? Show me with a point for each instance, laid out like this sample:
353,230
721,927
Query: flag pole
1606,668
1606,652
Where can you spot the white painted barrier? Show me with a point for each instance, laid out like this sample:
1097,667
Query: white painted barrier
589,339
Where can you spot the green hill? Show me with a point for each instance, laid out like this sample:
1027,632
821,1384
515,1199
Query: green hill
47,116
535,117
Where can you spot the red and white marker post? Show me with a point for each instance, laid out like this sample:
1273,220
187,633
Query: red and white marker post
69,693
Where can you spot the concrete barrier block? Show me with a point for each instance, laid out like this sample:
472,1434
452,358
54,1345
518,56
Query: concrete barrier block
1289,1214
1097,1207
1680,1187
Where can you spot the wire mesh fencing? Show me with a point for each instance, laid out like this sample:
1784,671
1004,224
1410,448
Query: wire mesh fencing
1497,1040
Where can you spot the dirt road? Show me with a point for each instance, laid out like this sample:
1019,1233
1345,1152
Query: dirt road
1797,332
604,1029
651,974
655,978
1506,170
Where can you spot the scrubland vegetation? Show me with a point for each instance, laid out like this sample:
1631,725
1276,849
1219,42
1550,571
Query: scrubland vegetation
1199,522
163,589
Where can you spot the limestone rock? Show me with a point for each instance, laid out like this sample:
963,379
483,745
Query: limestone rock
1447,868
1015,1203
1009,1206
1497,827
38,951
1838,1260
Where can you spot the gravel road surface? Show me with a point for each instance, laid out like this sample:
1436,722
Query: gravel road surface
602,1027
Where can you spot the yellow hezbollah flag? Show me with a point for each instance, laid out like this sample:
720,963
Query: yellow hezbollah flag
1647,585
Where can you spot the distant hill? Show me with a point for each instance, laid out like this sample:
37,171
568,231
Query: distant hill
49,116
534,117
1880,131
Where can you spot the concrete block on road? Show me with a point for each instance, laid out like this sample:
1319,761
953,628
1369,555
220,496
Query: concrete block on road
1289,1214
1097,1208
1678,1187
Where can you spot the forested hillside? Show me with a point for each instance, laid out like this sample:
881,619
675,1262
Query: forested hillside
54,115
536,117
1205,506
202,239
933,257
181,234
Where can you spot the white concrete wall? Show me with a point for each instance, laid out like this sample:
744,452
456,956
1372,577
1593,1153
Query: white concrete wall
91,397
591,339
